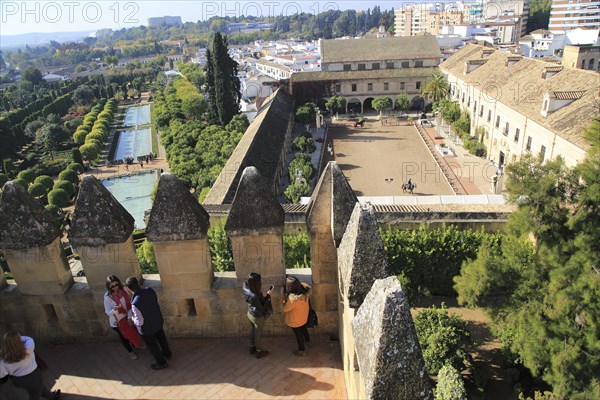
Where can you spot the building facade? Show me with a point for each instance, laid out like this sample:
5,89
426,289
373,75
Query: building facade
567,15
361,69
522,105
584,56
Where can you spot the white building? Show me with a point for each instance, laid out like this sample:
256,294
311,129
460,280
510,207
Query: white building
567,15
523,104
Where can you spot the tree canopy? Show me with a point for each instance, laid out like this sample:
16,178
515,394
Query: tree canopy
224,91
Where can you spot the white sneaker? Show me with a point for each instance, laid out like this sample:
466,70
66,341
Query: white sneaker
133,356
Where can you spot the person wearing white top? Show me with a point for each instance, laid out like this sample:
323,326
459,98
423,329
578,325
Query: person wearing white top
17,359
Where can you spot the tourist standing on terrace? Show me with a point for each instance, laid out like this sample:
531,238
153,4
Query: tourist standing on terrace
149,320
259,309
117,305
295,307
18,361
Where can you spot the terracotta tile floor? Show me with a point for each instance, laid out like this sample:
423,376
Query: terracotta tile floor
199,369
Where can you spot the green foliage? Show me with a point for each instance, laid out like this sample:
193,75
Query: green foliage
539,14
58,197
55,211
540,287
474,146
37,190
402,101
89,151
7,166
45,181
301,166
296,249
450,385
430,259
444,339
435,88
382,103
28,175
3,179
305,144
76,155
220,249
69,175
83,95
22,182
67,186
145,255
76,167
297,190
336,104
306,113
450,110
462,125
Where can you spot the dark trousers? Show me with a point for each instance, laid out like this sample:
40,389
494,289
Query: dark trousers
128,346
158,346
34,384
302,336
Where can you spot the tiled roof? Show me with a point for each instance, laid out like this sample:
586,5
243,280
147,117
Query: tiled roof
477,62
370,74
568,95
567,122
272,64
372,49
556,68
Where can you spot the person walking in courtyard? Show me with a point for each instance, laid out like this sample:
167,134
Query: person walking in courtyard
117,305
295,307
259,308
17,359
147,316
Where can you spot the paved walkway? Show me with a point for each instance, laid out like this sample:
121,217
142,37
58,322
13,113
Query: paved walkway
199,369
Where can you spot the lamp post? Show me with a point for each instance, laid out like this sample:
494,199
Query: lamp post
389,182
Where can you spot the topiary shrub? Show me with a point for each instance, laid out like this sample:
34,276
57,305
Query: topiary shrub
296,249
55,211
45,181
220,249
69,175
37,190
89,151
66,186
75,167
76,154
21,182
450,385
58,197
145,254
28,175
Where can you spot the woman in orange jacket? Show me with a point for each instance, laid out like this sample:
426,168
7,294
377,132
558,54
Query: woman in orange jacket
295,307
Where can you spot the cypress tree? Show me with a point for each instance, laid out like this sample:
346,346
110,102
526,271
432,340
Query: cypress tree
223,84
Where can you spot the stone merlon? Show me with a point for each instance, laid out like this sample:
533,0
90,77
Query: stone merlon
254,209
362,258
98,219
24,223
176,214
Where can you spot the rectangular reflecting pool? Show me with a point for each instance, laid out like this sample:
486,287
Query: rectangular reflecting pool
138,115
133,192
134,144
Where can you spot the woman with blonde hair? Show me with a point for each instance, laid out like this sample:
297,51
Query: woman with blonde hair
17,359
295,307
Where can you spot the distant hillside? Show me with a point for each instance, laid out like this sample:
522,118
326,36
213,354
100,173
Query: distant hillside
36,39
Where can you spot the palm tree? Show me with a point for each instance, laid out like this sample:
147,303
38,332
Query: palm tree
436,87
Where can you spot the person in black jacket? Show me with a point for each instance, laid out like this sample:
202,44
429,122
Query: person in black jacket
259,308
149,320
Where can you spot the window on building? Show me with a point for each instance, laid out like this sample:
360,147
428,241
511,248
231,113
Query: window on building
389,65
354,87
338,88
582,64
405,64
418,85
419,63
402,85
386,86
528,145
498,121
591,64
506,129
362,67
475,106
347,67
546,105
489,119
375,66
370,87
517,133
481,111
543,152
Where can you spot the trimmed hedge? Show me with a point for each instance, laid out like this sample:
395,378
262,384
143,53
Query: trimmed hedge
69,175
58,197
28,175
66,186
45,181
74,166
37,190
22,182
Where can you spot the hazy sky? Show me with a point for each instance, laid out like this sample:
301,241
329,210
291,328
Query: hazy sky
18,17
